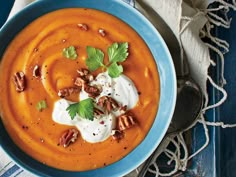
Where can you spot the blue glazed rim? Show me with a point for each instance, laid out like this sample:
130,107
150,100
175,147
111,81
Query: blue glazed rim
167,79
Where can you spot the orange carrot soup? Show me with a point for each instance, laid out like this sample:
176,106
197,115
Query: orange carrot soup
79,89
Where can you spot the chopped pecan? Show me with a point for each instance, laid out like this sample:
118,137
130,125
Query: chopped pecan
89,77
36,71
69,136
125,122
93,91
84,77
107,103
97,112
19,81
80,81
83,26
83,72
68,91
83,81
123,109
117,134
102,32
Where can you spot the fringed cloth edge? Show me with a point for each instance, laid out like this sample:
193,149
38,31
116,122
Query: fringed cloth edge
181,156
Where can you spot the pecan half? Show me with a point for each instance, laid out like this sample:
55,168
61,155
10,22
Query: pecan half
97,112
107,103
19,81
69,136
68,91
93,91
36,71
125,122
117,134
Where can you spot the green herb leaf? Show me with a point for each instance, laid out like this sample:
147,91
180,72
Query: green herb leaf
83,108
41,105
86,109
73,110
118,52
95,58
114,70
70,53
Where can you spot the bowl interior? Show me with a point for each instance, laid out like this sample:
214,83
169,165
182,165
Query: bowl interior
167,80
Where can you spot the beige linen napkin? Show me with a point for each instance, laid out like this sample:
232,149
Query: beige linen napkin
186,19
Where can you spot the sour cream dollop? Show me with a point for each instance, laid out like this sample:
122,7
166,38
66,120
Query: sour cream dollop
121,89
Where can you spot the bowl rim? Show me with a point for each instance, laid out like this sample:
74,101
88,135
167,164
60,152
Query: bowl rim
166,73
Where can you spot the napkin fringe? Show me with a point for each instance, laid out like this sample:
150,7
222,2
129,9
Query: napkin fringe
180,155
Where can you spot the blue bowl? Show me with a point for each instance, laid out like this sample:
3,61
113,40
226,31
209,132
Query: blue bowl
167,80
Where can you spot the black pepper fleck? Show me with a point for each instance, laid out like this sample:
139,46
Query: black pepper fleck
25,127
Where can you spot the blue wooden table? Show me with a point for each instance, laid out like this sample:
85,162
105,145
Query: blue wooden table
226,138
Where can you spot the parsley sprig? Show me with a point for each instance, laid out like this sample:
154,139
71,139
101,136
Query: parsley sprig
70,53
83,108
41,105
117,52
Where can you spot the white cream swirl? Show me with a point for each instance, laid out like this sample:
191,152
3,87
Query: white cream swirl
121,89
